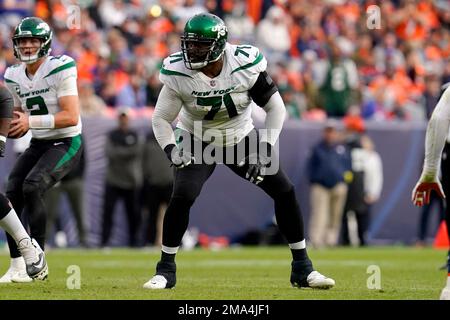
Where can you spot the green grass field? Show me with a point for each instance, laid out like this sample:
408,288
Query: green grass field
236,274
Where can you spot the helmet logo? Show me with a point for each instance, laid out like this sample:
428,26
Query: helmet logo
44,27
220,29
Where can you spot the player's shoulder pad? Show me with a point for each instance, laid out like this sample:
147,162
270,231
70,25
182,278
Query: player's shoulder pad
173,65
174,70
10,74
246,58
445,92
61,64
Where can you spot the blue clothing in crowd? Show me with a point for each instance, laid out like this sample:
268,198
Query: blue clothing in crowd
328,164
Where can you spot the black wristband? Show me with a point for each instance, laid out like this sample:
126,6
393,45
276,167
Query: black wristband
168,150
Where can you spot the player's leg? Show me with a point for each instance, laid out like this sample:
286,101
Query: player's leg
22,167
60,157
33,260
445,167
445,295
188,184
290,223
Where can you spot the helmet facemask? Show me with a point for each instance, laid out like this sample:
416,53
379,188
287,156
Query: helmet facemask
199,52
28,59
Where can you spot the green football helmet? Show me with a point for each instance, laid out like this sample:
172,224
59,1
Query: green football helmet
32,27
203,40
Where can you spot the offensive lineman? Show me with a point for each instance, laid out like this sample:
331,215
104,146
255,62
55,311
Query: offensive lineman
212,84
45,95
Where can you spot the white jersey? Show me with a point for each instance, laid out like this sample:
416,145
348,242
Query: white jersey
39,96
222,103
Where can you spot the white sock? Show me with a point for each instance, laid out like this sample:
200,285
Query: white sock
169,250
18,263
11,224
298,245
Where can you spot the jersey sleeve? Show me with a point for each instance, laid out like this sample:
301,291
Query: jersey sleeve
250,60
63,76
67,87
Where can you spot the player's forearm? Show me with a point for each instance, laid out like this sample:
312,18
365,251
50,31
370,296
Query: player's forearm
434,144
65,119
166,110
276,113
62,119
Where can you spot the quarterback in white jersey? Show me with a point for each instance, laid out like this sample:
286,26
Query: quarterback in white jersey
38,95
46,102
437,133
211,85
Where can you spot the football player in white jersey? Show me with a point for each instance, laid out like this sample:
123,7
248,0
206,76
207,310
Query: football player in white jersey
33,261
211,86
437,133
45,95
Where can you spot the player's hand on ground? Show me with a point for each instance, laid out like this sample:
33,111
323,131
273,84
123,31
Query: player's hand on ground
19,125
422,191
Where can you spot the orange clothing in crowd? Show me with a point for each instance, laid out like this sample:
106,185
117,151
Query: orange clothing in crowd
349,12
86,64
410,30
400,85
41,9
429,14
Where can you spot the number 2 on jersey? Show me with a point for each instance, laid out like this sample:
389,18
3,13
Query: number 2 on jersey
216,103
37,106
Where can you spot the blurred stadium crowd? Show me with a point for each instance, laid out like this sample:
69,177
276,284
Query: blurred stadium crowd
314,48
